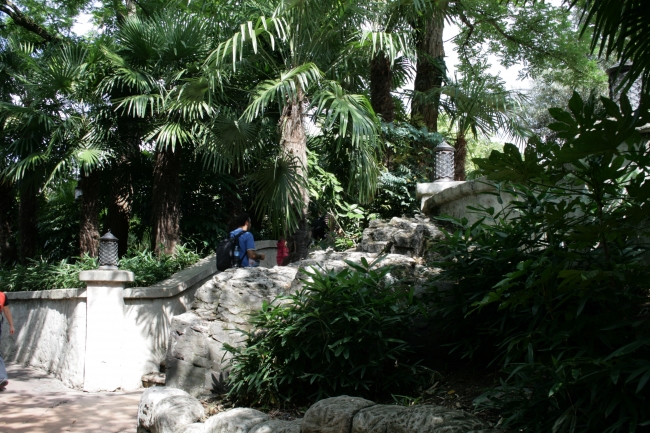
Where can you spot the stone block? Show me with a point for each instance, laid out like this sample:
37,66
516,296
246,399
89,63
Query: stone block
333,415
239,420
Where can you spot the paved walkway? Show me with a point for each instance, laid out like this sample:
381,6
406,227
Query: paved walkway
37,403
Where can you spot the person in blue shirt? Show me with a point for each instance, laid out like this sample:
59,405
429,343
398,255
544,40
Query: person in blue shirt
246,242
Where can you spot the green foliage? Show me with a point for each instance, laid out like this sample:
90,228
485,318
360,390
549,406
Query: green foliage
343,333
58,223
555,287
41,275
150,268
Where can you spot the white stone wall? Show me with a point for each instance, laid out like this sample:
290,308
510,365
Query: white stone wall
50,334
51,327
452,198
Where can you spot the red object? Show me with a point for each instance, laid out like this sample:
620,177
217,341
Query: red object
283,251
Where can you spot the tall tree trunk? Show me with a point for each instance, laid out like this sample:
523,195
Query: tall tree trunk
166,209
460,156
294,143
119,208
27,227
89,221
428,74
7,201
381,84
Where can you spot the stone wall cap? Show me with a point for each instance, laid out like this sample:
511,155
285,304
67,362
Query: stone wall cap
465,189
177,283
47,294
107,275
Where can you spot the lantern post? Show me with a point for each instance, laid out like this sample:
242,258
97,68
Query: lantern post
443,170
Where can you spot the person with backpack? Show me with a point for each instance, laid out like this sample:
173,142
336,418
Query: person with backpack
248,257
4,312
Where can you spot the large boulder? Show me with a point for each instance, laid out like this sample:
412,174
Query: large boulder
196,360
167,410
407,236
148,401
415,419
333,415
239,420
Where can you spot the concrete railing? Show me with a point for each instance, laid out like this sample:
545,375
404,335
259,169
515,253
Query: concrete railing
452,198
69,332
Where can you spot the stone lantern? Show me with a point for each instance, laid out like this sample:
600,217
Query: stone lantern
443,170
108,251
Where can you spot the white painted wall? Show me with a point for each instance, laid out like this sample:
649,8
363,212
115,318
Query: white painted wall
452,198
51,327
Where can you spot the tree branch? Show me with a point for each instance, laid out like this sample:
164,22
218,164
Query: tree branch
24,21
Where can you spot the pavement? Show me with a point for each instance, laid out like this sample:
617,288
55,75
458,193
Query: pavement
35,402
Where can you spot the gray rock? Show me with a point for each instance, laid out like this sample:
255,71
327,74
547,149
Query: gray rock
375,419
196,360
172,414
197,427
239,420
245,289
433,419
407,236
148,402
414,419
277,426
333,415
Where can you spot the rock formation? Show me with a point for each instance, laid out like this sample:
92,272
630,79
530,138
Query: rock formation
342,414
196,360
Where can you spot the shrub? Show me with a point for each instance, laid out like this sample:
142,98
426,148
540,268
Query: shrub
41,275
150,269
344,332
555,288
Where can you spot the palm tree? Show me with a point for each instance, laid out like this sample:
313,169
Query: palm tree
165,100
474,107
300,43
49,126
620,28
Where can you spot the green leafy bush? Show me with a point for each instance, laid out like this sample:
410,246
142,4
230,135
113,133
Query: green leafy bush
41,275
555,286
344,332
150,269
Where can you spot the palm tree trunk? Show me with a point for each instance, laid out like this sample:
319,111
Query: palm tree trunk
381,84
27,228
294,143
460,157
7,202
428,74
89,222
119,211
166,209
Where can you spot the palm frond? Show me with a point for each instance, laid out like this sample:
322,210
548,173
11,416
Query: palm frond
234,47
279,187
620,28
228,142
285,89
